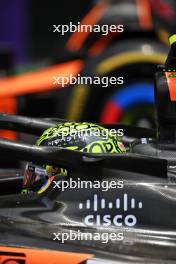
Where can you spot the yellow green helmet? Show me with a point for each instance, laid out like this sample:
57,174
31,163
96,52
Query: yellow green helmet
85,137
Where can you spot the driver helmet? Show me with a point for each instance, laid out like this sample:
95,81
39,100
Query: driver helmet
85,137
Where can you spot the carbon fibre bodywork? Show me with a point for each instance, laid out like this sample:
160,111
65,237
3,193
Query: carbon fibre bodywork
34,221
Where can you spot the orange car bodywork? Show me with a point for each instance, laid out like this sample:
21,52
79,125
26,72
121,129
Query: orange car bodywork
35,82
36,256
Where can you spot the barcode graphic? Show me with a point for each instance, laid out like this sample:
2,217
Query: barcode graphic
125,203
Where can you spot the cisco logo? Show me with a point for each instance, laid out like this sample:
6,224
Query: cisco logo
97,204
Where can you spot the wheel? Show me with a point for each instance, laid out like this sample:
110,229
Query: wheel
130,103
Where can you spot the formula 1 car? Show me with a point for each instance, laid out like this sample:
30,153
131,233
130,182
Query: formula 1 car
139,48
133,221
133,54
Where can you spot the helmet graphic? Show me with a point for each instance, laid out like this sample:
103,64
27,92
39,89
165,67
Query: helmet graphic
85,137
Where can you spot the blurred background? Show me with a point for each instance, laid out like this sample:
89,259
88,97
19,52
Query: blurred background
26,26
31,54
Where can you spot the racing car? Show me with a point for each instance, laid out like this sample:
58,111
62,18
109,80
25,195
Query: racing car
141,47
126,216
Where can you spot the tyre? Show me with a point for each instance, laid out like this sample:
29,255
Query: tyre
130,103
